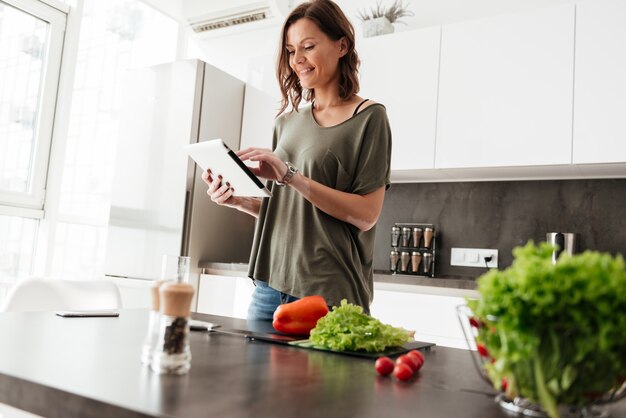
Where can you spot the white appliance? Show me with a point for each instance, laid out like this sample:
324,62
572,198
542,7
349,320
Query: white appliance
159,202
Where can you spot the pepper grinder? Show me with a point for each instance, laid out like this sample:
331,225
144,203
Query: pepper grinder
416,259
172,354
428,236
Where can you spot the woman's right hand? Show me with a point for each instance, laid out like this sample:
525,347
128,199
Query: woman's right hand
220,192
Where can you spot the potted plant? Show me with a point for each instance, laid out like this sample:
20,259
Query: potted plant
552,337
379,20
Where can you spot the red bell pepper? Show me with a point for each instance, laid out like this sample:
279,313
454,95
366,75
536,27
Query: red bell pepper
299,317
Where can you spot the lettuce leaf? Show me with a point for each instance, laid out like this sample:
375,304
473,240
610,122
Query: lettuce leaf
347,328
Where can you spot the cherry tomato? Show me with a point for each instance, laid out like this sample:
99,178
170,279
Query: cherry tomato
482,350
384,365
402,372
410,361
504,384
418,356
474,322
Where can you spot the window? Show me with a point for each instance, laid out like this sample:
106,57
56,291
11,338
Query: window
31,39
115,36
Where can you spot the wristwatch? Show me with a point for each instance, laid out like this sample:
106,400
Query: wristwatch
291,171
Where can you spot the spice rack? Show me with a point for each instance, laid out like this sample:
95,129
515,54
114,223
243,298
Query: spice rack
413,249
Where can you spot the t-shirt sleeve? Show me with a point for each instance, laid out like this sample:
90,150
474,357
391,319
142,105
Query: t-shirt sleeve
374,157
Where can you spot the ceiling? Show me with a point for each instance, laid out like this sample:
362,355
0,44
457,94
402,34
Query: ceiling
426,12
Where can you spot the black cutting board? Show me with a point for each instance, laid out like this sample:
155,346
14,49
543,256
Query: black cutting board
389,352
297,342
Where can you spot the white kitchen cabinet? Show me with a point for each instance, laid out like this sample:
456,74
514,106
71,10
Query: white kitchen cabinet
600,82
224,295
505,90
400,70
432,316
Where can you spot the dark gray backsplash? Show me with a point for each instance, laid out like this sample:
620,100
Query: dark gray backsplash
505,214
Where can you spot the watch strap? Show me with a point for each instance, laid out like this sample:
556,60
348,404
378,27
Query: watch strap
291,171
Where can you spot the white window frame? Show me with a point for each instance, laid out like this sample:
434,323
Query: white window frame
31,203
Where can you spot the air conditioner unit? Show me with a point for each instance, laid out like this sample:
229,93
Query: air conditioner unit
207,16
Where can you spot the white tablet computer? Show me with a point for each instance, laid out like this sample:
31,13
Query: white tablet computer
216,155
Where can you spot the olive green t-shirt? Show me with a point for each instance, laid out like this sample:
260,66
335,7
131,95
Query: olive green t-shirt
299,249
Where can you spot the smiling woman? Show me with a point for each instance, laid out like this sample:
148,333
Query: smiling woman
329,166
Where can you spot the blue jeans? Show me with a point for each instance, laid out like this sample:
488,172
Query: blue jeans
265,300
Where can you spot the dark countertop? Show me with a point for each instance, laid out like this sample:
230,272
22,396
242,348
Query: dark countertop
90,367
410,279
241,270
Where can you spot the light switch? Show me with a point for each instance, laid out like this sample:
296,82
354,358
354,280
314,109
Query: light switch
473,257
458,256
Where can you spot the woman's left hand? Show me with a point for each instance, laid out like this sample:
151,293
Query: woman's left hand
270,166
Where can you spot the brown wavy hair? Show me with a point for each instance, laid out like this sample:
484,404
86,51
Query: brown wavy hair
333,22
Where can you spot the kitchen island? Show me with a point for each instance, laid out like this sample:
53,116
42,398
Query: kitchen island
90,367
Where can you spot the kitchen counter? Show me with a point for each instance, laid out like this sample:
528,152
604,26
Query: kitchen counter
89,367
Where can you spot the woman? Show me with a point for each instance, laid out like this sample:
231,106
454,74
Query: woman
329,168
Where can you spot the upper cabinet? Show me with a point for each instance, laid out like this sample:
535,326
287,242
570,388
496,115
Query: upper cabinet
600,82
505,90
401,71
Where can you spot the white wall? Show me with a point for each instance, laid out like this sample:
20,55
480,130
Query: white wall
247,55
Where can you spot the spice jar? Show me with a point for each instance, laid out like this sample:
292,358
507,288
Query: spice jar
427,259
404,261
394,256
428,236
416,259
395,236
417,236
171,354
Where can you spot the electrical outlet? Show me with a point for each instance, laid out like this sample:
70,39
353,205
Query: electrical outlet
473,257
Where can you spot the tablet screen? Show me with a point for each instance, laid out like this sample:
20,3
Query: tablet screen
216,155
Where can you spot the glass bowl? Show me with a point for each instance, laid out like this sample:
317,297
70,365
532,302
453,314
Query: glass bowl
518,405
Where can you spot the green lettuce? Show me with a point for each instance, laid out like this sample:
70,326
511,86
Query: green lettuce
555,332
347,328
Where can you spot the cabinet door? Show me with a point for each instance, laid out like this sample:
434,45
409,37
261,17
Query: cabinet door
432,317
505,93
401,71
224,295
600,85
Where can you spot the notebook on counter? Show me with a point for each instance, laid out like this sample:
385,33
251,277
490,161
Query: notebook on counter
216,155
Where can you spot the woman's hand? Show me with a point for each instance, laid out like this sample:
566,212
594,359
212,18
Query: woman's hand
222,194
270,166
219,192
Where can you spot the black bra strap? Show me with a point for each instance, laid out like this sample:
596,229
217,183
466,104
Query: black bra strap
359,106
